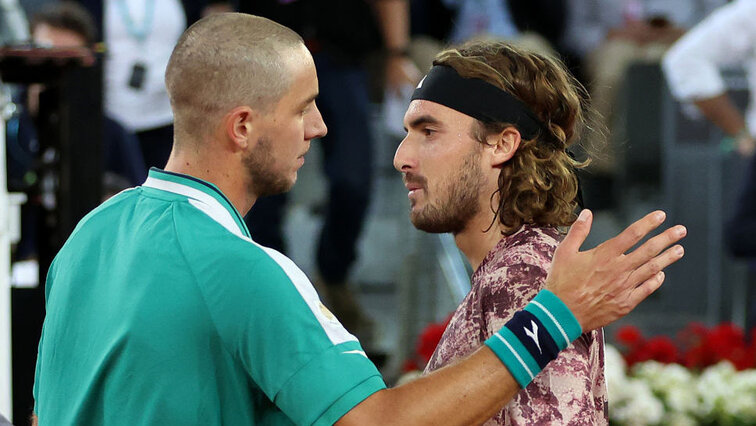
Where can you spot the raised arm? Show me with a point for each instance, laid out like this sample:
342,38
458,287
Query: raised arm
692,67
393,20
599,286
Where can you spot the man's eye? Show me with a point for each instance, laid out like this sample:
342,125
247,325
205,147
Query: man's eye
428,132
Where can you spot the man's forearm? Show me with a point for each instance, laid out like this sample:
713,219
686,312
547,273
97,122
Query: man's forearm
722,112
474,389
598,286
468,392
34,420
393,19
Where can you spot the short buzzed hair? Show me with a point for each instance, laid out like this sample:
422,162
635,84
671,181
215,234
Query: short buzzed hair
224,61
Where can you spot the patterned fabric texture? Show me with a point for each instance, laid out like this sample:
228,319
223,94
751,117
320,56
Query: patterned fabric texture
571,389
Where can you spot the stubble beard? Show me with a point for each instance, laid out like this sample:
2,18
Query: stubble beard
453,213
264,180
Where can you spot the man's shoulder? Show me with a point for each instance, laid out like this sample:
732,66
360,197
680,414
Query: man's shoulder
516,268
529,245
538,237
203,241
104,214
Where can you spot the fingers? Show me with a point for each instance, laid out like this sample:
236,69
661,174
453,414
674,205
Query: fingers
655,245
651,268
577,234
644,290
635,232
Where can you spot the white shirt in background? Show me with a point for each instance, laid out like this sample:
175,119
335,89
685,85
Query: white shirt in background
148,107
589,21
724,39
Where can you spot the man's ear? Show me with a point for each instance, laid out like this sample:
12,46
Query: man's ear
238,126
504,145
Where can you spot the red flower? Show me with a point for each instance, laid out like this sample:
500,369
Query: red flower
742,358
629,335
697,353
662,349
429,340
692,335
410,365
426,345
697,347
696,358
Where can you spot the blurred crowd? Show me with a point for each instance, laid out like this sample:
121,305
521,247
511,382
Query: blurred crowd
369,55
365,52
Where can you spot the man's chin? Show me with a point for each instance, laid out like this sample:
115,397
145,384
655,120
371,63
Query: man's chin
431,227
276,189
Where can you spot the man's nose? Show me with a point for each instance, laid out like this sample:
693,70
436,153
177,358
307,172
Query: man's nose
401,157
317,127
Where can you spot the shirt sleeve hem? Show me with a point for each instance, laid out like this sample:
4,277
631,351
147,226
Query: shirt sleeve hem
350,400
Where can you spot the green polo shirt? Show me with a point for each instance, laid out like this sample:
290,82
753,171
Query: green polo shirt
162,310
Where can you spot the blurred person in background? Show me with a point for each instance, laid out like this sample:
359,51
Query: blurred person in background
480,162
534,25
692,66
139,36
62,25
340,34
67,24
607,36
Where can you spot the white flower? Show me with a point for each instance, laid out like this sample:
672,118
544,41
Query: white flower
679,419
614,370
719,395
743,404
614,360
682,400
673,382
640,408
714,388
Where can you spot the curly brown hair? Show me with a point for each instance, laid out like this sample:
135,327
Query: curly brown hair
538,185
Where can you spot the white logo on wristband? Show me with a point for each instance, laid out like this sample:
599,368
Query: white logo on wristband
533,334
553,320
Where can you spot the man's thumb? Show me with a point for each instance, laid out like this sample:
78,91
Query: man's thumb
578,232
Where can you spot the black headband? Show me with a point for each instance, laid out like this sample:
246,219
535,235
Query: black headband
476,98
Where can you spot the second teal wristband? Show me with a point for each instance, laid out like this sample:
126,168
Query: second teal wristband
519,345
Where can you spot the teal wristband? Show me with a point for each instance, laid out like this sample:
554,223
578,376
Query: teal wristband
534,336
556,317
514,355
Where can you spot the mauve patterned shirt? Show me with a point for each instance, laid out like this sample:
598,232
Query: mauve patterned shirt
571,389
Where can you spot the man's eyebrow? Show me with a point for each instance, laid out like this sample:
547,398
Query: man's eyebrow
422,120
309,100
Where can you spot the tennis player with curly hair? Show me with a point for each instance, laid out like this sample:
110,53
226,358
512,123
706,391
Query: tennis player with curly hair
486,159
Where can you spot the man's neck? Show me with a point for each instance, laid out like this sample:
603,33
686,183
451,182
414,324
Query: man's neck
219,171
478,238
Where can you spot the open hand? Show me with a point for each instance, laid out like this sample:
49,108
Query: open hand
606,283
